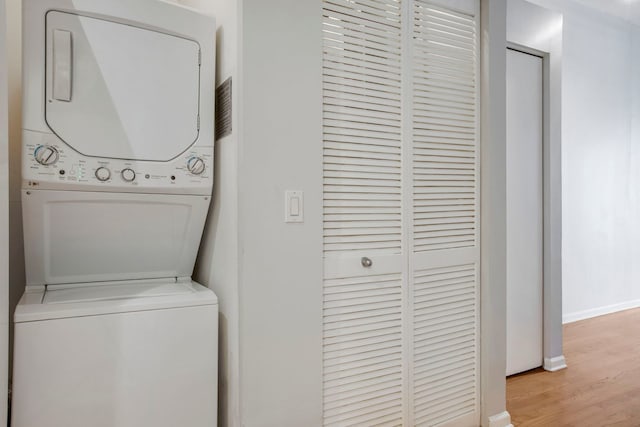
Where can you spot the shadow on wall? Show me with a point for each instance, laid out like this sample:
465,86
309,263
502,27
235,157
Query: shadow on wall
16,244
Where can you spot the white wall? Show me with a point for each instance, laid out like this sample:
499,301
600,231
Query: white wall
266,273
281,264
4,216
601,155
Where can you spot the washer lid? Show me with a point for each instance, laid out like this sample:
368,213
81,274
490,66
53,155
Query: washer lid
92,299
120,91
79,237
92,292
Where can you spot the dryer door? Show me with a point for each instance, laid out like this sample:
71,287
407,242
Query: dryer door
120,91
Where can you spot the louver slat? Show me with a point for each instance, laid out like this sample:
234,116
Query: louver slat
362,127
445,139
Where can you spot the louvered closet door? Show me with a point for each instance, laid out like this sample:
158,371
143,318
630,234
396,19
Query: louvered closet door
363,306
400,191
445,262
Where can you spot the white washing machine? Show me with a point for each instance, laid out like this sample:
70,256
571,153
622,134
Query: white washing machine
117,178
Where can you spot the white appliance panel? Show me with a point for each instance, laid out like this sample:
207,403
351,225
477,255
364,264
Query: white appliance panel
73,171
118,91
145,368
73,237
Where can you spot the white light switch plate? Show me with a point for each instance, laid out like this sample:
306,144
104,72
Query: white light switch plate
293,206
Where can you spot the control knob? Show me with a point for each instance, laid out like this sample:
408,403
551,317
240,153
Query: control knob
195,165
46,155
103,174
128,174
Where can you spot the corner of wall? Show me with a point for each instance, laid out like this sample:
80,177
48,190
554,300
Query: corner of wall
493,208
217,266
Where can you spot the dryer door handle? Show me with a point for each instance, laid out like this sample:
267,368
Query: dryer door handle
62,65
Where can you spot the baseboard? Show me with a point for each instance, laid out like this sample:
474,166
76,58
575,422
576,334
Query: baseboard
599,311
500,420
553,364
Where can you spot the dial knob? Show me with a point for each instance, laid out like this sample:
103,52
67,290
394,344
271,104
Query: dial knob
46,155
103,173
128,174
196,165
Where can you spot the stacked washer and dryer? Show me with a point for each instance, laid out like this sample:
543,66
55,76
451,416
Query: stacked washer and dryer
117,177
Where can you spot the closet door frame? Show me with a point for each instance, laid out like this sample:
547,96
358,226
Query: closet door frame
523,24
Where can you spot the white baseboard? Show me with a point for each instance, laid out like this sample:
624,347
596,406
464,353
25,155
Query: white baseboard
500,420
554,363
599,311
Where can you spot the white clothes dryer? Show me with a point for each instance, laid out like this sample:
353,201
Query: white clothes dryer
117,178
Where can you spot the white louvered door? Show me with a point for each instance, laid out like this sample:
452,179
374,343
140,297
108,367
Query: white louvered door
446,251
363,307
400,96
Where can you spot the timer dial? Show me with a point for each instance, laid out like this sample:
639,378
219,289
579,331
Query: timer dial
103,174
46,155
195,165
128,174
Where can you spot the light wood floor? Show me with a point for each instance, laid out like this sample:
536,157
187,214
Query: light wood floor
601,386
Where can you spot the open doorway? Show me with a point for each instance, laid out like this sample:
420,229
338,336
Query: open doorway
534,37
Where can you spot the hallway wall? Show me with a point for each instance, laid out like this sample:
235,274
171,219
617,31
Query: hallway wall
601,161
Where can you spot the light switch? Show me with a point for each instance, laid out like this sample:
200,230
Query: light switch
294,206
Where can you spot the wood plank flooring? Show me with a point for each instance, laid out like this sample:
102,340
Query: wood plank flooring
600,387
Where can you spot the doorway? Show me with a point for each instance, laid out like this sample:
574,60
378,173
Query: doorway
525,214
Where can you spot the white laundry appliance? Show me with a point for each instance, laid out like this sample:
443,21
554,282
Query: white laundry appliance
117,179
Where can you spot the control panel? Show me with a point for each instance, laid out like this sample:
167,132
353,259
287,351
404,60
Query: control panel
49,163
